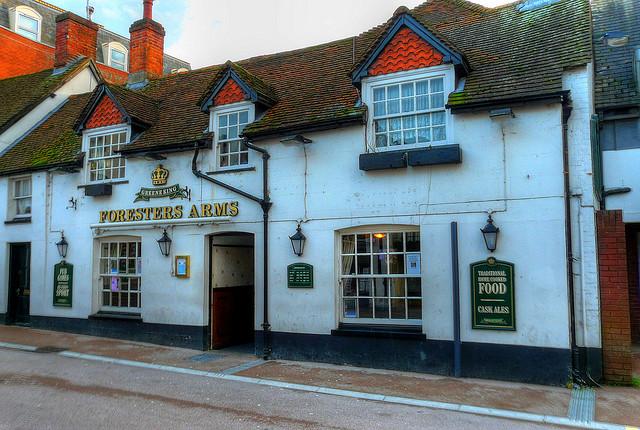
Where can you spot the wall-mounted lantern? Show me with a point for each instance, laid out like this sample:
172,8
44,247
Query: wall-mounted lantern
490,234
297,241
165,243
63,246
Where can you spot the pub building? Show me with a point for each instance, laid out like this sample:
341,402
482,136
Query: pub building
418,197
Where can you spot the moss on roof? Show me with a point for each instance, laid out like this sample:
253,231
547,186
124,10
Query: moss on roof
18,95
52,143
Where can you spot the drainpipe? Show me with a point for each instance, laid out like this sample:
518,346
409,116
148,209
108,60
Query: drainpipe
576,373
265,204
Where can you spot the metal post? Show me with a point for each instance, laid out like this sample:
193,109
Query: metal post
455,277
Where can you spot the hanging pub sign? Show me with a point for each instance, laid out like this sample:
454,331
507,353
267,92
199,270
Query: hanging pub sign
493,295
63,284
159,177
300,275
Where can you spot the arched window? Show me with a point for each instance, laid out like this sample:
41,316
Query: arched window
26,22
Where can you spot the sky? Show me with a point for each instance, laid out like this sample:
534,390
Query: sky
206,32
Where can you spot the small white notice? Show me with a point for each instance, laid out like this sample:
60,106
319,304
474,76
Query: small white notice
413,264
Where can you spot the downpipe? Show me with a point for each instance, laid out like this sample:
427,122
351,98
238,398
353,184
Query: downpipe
265,203
576,368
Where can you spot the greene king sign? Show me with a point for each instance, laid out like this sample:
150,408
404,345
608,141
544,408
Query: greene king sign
493,295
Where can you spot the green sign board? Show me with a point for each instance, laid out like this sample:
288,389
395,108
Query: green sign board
62,284
493,295
300,275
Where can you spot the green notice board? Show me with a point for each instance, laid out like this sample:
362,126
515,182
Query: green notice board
300,275
493,295
62,284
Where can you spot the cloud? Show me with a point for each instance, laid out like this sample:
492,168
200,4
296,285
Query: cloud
211,32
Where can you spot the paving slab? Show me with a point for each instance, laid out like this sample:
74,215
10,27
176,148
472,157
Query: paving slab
619,405
214,361
494,394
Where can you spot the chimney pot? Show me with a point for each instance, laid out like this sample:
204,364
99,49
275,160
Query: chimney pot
148,9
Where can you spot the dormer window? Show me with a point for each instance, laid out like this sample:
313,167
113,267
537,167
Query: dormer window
408,108
27,22
409,112
116,55
230,121
104,163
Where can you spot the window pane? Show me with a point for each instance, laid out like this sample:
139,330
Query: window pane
378,94
381,140
234,160
437,118
349,287
393,91
348,265
379,109
396,242
422,102
382,308
117,56
437,85
381,126
424,135
396,264
244,158
398,308
437,101
365,287
222,120
364,243
350,308
408,122
244,117
413,287
414,309
380,264
407,90
348,244
365,308
395,138
439,134
397,287
407,105
409,137
364,264
381,288
422,87
393,107
379,242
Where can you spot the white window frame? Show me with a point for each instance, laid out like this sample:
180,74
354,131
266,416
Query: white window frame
216,112
339,292
447,72
107,50
102,131
29,13
137,275
13,199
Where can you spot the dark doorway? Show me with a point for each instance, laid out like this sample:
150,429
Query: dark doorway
19,287
232,290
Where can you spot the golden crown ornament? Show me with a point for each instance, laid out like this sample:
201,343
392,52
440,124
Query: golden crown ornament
159,176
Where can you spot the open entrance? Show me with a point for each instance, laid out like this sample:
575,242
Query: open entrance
633,262
19,286
232,304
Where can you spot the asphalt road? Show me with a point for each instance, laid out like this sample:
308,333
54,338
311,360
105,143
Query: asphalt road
47,391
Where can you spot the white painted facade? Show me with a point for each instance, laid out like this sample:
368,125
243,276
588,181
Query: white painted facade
510,166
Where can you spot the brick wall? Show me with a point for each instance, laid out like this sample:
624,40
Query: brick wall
106,113
406,51
146,48
614,297
229,93
22,56
112,75
74,36
634,293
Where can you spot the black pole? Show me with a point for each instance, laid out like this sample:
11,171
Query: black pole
455,277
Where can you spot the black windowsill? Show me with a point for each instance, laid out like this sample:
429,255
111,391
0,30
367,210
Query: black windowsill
116,316
379,331
24,220
117,182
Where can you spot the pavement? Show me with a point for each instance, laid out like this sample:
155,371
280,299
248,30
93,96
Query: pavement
612,407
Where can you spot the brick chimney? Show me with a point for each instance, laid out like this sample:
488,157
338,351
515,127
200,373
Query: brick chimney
74,36
146,48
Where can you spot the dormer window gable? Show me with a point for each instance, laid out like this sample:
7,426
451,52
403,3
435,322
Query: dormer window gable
405,46
234,84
